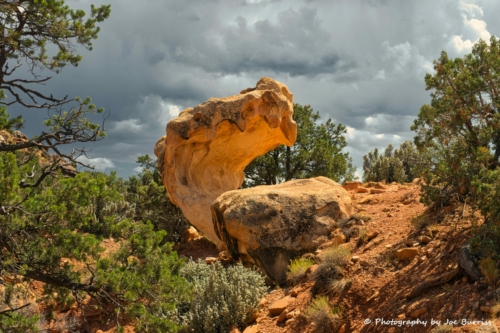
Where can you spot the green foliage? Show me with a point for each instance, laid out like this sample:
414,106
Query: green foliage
395,165
30,29
327,319
7,123
298,268
45,229
490,271
460,128
151,201
221,297
316,152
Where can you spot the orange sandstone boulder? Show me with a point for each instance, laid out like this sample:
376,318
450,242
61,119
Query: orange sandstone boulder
267,226
207,147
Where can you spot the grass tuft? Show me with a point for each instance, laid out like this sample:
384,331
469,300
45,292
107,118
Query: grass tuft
298,268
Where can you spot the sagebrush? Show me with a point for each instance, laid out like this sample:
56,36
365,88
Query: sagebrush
221,297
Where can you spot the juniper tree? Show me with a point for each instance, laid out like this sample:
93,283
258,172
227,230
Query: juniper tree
395,165
460,131
316,152
51,227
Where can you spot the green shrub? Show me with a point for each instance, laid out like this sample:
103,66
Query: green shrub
221,297
330,268
298,268
489,269
327,319
362,236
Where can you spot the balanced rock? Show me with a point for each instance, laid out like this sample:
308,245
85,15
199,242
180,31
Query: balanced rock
207,147
267,226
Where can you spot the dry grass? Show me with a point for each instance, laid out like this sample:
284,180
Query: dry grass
297,269
327,319
442,329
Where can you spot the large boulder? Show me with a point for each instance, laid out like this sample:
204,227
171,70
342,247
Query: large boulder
207,147
267,226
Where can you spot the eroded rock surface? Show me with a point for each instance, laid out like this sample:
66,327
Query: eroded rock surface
207,147
269,225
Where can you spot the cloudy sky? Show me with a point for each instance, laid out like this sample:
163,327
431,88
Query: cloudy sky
360,62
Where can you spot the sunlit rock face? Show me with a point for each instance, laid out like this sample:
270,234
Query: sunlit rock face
207,147
267,226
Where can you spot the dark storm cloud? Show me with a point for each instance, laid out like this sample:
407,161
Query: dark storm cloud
351,60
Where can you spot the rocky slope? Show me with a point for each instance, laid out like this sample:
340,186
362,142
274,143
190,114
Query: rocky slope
396,256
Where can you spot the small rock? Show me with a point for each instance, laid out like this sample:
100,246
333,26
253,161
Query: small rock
282,316
372,235
189,234
418,312
388,246
342,329
253,317
289,322
408,253
352,185
407,201
355,259
295,291
485,309
390,215
290,314
364,263
409,242
362,190
278,307
464,279
424,239
252,329
402,316
210,260
429,253
422,258
377,191
385,210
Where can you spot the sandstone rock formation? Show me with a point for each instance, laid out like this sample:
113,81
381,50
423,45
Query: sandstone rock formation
207,147
269,225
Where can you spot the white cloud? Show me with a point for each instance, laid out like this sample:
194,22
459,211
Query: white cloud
355,86
369,120
350,132
129,125
138,169
173,110
379,136
475,27
406,58
397,137
99,163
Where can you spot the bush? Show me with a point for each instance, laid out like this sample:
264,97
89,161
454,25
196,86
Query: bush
298,268
330,268
489,269
327,319
221,297
395,165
